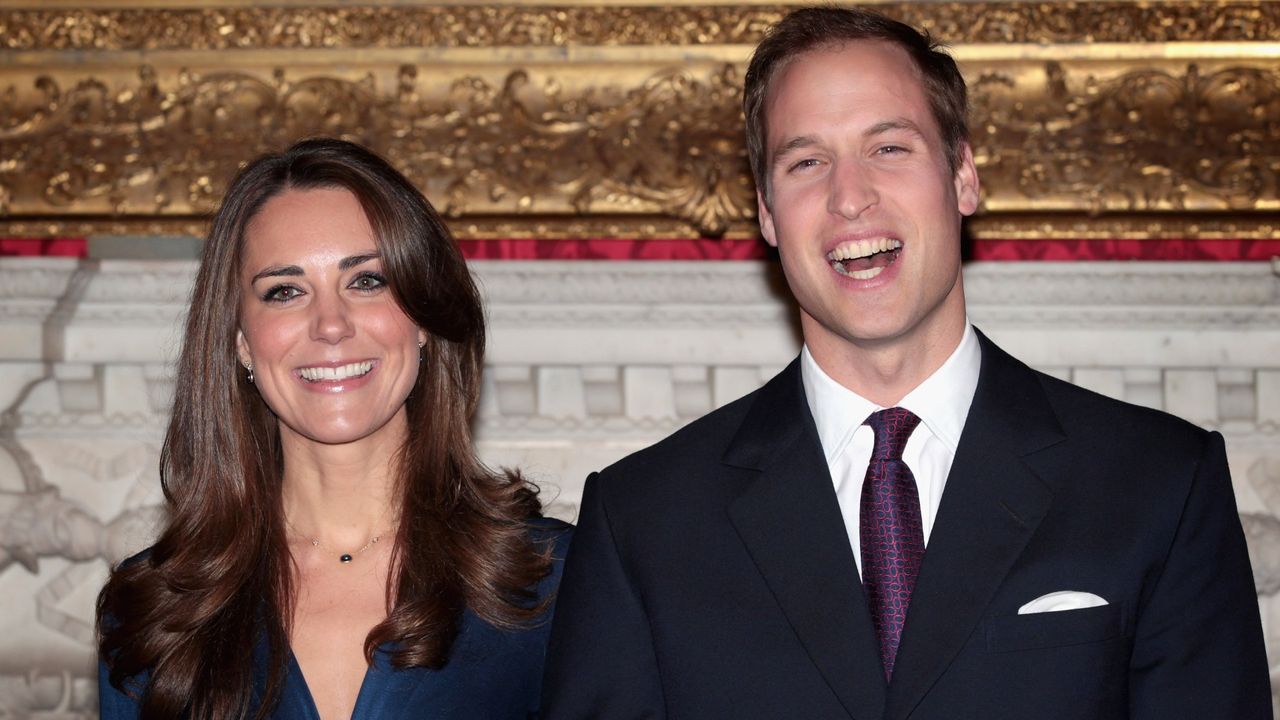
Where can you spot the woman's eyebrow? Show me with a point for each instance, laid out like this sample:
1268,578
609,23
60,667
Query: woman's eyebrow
293,270
349,262
278,271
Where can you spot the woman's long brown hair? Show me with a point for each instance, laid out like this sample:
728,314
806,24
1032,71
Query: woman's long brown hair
179,625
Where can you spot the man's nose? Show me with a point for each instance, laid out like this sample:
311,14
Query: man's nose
851,190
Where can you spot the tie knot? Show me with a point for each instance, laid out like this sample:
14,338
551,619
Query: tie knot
892,427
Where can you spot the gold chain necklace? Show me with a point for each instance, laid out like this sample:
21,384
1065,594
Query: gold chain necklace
344,558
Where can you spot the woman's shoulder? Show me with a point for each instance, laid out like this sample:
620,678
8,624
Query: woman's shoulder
548,530
111,610
552,536
140,556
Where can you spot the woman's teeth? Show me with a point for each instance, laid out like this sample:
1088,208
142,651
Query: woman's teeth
329,374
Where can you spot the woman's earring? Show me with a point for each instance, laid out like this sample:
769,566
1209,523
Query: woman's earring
420,344
249,367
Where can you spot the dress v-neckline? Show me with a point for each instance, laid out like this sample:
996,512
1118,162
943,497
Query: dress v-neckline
298,687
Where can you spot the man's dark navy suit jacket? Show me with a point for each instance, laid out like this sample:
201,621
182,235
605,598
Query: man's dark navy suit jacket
711,575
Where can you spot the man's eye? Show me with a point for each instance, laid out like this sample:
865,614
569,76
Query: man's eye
890,150
803,164
281,293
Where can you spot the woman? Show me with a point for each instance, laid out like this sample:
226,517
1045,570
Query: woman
333,548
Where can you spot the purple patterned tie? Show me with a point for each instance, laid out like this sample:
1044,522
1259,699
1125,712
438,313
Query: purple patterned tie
891,535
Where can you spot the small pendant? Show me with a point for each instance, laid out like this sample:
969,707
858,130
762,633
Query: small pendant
344,558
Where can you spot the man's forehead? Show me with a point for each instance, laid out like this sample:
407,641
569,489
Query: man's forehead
893,59
902,59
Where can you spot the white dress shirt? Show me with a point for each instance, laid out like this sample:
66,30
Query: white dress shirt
941,402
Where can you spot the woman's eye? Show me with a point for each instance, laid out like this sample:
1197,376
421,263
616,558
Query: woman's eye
281,293
368,281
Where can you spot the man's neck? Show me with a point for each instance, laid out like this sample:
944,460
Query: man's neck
885,371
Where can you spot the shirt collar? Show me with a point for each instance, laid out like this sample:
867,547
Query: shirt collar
941,402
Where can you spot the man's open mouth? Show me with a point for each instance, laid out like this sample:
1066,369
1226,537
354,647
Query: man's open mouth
865,259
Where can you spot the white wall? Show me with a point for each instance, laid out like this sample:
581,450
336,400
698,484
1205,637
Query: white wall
588,361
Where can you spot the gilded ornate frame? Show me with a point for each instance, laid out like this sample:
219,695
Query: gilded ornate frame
1108,119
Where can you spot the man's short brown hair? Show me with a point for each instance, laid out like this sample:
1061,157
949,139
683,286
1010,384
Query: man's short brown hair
816,28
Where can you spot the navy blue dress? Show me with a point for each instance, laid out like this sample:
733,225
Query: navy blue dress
491,673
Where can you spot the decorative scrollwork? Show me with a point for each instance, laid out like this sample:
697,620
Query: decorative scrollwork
448,26
1151,139
523,144
558,129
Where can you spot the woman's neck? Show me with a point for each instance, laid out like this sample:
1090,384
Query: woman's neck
340,495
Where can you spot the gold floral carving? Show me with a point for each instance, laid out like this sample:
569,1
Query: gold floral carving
1165,137
131,134
414,25
524,142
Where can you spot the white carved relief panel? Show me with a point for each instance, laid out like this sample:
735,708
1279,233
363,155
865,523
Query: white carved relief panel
588,361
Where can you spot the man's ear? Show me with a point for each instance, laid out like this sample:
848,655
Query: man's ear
968,189
242,350
766,220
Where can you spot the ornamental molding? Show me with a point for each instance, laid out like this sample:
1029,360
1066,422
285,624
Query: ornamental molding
1115,283
204,25
545,282
560,282
531,283
1121,318
157,291
26,311
591,427
492,424
66,693
125,315
35,279
592,120
65,423
604,317
144,282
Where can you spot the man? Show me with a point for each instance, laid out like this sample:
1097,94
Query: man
906,522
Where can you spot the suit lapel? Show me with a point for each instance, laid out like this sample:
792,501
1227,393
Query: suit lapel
993,502
790,522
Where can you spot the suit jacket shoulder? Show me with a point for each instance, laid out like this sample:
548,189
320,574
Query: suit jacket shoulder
1087,409
683,464
695,443
1164,452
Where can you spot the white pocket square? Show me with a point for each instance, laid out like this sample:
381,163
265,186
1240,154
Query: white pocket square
1061,600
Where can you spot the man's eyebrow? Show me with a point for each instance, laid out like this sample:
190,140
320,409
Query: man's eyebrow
278,271
349,262
793,144
896,124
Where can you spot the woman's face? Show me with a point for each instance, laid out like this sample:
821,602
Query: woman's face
332,353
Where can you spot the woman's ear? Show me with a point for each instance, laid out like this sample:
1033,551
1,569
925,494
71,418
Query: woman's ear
242,350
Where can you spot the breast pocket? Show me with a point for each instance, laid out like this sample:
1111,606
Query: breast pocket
1053,629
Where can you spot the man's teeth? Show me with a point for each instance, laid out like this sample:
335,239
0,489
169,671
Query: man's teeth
863,274
862,248
858,250
350,370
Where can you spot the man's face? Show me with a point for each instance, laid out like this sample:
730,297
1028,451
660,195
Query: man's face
863,208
